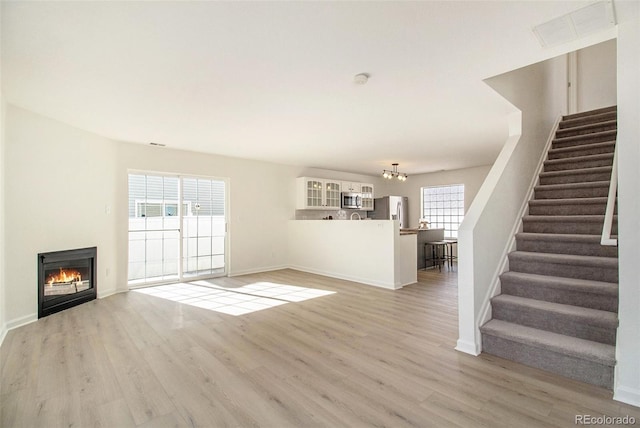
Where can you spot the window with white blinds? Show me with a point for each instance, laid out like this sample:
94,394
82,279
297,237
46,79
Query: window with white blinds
443,208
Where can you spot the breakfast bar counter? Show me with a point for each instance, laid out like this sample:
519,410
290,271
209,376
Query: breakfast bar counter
372,252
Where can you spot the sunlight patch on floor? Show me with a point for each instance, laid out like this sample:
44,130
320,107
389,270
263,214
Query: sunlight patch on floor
233,301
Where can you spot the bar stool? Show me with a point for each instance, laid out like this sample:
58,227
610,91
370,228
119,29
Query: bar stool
450,243
439,253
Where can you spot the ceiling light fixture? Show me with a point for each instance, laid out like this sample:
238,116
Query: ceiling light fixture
394,173
361,79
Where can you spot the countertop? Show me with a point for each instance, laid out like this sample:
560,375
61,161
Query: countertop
414,231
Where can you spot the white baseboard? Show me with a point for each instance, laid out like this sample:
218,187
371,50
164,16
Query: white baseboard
19,322
347,277
3,334
103,294
467,347
258,270
627,395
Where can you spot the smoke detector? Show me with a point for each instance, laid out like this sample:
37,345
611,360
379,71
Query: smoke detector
361,79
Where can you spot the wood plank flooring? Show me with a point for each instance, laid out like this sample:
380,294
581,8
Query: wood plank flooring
362,357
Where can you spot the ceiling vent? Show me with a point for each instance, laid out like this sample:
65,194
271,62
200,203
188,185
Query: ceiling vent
588,20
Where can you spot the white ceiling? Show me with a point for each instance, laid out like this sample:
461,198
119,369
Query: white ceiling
274,80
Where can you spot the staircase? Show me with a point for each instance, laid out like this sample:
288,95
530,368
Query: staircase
559,301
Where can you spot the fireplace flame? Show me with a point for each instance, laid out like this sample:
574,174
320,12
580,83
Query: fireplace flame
65,275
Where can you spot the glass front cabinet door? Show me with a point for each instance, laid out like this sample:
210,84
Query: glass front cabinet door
367,197
317,193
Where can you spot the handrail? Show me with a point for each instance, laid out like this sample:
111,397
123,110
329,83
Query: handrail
611,204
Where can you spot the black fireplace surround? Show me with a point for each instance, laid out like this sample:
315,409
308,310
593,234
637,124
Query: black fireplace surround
66,279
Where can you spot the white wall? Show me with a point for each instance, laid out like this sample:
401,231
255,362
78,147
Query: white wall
58,182
3,324
472,179
596,76
486,233
3,299
627,380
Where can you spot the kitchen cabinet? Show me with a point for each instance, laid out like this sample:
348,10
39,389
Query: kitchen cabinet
351,187
367,196
318,194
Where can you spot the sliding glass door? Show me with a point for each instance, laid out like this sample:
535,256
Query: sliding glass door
177,228
203,227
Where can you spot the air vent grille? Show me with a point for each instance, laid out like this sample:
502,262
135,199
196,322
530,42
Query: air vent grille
588,20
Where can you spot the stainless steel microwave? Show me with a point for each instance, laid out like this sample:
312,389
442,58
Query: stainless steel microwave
351,200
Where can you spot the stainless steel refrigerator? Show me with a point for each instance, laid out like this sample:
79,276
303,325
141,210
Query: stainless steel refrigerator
391,208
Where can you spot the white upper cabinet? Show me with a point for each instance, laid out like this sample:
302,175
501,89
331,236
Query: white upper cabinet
351,187
318,193
367,196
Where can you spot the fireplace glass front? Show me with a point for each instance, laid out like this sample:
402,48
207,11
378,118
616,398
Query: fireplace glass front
65,279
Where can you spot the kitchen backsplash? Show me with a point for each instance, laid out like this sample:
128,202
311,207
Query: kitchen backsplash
320,214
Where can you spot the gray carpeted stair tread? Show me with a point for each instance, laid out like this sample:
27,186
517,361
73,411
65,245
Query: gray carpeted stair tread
570,186
581,162
565,259
571,201
599,156
590,189
566,218
594,170
590,113
568,206
585,139
595,118
583,292
567,345
592,126
584,224
582,150
559,282
588,316
562,243
564,237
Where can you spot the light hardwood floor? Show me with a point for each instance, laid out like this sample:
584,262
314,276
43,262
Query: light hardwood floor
362,357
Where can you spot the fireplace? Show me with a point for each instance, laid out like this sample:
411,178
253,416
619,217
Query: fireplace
65,279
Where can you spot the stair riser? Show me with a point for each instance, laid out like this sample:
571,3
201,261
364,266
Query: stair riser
580,228
554,322
560,143
571,367
575,178
581,192
593,115
558,295
577,164
598,273
581,151
572,131
569,209
564,247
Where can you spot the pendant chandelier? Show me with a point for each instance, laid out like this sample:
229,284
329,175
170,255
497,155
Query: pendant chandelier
394,173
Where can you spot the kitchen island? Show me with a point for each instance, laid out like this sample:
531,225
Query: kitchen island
372,252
